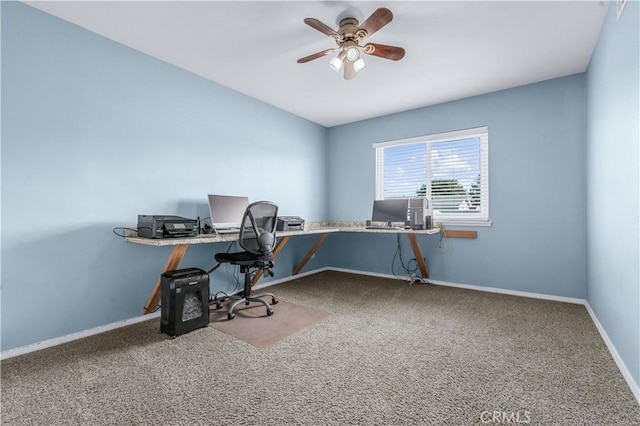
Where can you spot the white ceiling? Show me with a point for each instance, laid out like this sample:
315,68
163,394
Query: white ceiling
453,49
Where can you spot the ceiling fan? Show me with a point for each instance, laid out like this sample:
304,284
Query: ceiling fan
349,37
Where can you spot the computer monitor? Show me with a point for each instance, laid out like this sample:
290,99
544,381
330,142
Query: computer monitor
394,210
227,211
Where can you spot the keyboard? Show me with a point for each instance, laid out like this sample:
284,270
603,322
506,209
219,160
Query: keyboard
247,230
386,228
228,231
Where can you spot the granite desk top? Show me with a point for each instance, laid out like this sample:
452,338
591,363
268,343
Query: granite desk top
310,229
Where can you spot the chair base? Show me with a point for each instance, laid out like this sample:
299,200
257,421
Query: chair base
238,300
246,297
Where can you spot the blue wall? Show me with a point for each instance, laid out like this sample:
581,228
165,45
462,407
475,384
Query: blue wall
94,134
537,188
613,164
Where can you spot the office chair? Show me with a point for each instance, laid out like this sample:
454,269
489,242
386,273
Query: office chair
258,239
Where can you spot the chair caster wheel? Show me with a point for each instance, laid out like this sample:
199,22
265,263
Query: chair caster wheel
218,305
269,312
274,301
231,316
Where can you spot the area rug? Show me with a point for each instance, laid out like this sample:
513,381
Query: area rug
253,326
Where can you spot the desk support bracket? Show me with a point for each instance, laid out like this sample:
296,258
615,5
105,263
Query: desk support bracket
310,254
172,263
418,254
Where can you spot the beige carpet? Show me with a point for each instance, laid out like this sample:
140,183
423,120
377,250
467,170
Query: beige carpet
253,326
389,354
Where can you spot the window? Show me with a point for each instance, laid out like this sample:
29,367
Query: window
451,169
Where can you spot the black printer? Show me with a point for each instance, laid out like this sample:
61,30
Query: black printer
154,226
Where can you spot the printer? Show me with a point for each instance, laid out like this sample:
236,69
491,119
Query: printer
290,223
154,226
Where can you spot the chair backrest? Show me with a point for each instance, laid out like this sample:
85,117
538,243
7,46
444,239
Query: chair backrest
258,231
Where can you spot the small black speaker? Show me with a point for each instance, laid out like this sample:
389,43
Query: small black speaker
185,301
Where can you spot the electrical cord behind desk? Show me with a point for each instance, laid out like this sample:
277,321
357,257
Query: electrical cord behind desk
405,272
124,235
443,243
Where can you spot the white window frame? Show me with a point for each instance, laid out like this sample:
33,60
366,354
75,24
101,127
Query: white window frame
474,219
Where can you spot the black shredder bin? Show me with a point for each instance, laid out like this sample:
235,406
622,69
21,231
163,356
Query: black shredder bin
185,301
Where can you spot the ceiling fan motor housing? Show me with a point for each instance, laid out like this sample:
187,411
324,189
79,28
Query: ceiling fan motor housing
349,31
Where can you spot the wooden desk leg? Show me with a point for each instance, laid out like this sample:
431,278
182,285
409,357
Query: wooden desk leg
172,263
418,254
311,252
279,246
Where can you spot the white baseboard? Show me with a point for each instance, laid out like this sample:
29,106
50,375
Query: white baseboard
614,353
358,272
474,287
518,293
22,350
289,278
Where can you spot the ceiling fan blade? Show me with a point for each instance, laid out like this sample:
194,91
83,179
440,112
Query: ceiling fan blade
349,70
377,20
315,56
384,51
323,28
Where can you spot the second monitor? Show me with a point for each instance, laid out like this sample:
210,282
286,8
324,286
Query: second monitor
414,213
393,211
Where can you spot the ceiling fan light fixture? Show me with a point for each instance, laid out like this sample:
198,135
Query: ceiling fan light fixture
353,54
359,64
336,62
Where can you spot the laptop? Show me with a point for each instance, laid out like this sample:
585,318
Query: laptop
226,213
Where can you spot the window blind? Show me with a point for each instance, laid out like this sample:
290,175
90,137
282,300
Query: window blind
451,169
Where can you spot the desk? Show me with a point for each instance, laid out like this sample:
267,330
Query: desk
180,246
